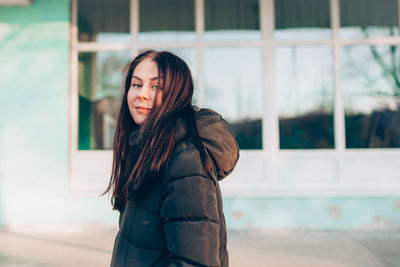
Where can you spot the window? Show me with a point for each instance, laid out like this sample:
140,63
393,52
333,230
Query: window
368,18
232,20
169,25
166,21
233,86
100,89
305,96
307,85
371,87
302,20
305,74
103,21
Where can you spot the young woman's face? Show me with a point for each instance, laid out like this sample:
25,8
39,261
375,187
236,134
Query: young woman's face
142,93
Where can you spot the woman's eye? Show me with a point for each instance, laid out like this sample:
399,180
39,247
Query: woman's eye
136,85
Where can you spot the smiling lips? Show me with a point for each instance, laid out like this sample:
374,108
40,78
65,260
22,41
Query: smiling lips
142,110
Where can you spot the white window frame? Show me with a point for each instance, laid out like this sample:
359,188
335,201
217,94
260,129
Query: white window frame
89,171
16,2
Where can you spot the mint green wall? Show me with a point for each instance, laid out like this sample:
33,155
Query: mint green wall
324,213
34,84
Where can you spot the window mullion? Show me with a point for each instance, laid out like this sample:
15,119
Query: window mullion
398,11
199,20
73,99
339,125
339,107
270,113
270,128
134,26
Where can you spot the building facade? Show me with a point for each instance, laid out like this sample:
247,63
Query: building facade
311,88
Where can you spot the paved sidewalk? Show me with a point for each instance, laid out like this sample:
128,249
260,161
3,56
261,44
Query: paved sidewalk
269,248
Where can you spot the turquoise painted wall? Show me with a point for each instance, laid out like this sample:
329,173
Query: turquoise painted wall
322,213
34,84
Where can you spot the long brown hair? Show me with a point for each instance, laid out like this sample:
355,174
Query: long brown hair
156,135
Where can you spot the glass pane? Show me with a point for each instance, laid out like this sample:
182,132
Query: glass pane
228,20
371,87
233,87
189,55
166,20
103,21
302,20
304,87
368,18
100,85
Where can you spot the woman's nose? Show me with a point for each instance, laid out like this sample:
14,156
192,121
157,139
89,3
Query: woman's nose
144,93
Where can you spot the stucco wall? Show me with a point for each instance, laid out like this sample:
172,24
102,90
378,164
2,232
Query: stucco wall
322,213
34,82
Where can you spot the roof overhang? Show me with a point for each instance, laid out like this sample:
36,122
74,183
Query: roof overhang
15,2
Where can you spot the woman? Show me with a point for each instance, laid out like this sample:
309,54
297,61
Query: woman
168,158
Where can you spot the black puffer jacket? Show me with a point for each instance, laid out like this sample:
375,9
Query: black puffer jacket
179,222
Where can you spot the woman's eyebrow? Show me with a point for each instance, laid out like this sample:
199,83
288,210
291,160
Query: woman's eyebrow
152,79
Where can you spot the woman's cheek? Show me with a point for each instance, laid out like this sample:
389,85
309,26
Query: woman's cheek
159,99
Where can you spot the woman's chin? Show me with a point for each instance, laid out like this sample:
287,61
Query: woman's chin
139,119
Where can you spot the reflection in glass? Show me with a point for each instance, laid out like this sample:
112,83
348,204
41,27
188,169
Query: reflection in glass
166,20
305,94
302,20
371,88
231,20
368,18
103,21
189,55
233,87
100,86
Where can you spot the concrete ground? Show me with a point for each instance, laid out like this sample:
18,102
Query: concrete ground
267,248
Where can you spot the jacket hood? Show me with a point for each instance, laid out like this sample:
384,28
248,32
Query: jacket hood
218,139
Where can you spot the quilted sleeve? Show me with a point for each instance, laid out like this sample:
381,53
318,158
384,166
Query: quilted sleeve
189,212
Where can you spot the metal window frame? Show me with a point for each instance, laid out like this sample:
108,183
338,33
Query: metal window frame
270,185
